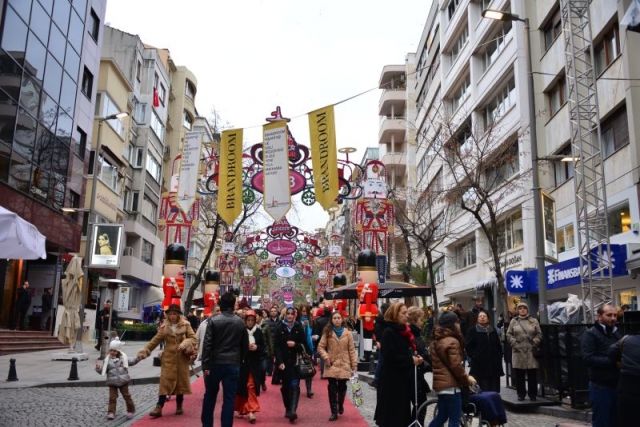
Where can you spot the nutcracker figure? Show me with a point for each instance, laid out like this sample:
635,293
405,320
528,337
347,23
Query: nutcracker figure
211,290
374,216
340,280
367,296
173,274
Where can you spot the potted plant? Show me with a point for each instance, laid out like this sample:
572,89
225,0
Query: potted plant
137,331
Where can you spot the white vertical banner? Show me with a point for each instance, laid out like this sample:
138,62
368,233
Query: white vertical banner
189,167
277,191
123,299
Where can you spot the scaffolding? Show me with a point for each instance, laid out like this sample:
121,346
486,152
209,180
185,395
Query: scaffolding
589,182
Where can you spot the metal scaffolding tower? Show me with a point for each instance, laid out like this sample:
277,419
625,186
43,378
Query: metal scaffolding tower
589,182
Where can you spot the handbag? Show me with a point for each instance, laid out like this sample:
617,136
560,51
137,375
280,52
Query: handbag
304,365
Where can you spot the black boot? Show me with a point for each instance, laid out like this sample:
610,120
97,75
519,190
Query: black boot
294,396
333,401
342,393
308,384
285,400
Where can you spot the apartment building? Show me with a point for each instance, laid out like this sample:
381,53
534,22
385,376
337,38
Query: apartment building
49,59
471,90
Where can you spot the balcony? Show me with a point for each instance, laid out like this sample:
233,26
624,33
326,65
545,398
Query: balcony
134,267
392,130
392,77
396,159
392,102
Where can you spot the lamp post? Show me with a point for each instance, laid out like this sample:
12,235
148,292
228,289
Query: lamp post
537,195
88,241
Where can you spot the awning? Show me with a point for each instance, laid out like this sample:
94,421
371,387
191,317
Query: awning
153,296
633,261
19,239
389,289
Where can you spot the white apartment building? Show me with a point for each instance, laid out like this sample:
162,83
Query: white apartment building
471,78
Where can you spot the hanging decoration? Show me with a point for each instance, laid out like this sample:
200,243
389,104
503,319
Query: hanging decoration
189,166
231,176
324,156
277,191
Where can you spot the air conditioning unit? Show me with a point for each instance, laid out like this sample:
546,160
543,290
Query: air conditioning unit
128,251
167,152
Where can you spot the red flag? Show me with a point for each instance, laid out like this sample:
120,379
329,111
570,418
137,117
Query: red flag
156,99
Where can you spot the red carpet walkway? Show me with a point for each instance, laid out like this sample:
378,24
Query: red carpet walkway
311,412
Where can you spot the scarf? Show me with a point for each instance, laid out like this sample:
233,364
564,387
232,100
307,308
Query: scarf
406,332
338,331
288,325
307,330
487,329
124,362
252,339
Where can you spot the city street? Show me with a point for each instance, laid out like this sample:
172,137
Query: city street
86,406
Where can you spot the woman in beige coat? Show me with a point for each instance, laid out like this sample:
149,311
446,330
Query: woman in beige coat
338,351
523,335
180,344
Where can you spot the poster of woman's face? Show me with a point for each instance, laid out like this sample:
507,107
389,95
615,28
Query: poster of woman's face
106,242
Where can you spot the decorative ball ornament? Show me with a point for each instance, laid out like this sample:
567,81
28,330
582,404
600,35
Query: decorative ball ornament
308,197
248,196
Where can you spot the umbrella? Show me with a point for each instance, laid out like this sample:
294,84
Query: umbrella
71,295
20,239
389,289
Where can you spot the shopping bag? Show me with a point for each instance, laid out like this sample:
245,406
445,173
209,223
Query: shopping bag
356,391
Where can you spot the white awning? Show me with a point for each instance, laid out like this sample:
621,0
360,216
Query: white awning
19,239
152,296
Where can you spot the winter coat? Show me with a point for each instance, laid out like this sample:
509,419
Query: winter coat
524,333
595,344
447,360
267,335
174,372
24,299
396,379
627,352
117,373
341,352
252,364
200,333
485,351
289,355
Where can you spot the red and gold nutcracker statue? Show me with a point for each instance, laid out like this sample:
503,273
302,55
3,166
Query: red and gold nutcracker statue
374,214
228,264
211,290
173,274
368,296
248,284
341,304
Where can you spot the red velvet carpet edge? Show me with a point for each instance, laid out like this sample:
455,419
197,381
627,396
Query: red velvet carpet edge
311,412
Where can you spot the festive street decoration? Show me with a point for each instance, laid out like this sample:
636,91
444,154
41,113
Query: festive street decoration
374,214
211,290
173,274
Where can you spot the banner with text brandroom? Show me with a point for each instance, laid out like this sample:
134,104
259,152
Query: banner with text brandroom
324,157
230,176
189,167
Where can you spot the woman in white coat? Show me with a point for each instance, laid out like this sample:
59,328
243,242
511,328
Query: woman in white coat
338,351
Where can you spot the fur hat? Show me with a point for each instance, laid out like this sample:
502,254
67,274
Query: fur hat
115,344
448,319
174,307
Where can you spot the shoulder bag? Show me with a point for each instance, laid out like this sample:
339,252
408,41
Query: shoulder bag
304,365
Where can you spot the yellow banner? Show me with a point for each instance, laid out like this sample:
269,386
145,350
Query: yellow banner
230,176
324,157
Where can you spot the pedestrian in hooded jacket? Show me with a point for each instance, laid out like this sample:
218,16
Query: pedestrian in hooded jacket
116,369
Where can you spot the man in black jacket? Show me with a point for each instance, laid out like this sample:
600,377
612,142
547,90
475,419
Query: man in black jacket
603,372
225,347
22,304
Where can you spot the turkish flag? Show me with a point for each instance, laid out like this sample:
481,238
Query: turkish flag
156,99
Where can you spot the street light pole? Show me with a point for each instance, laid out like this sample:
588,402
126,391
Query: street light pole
535,178
89,238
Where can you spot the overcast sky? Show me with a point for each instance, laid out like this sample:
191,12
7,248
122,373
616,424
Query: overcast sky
250,56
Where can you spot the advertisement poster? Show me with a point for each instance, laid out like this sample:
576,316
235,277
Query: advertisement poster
106,240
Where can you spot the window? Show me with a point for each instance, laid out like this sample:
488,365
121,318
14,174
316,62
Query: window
74,202
190,89
153,167
505,99
564,170
156,80
94,26
607,50
461,142
87,82
139,112
107,108
460,43
557,95
135,198
149,209
194,250
136,160
619,219
466,254
80,142
162,94
565,237
451,8
438,270
139,71
187,121
614,132
506,166
123,202
496,45
461,93
108,174
157,126
147,252
510,234
553,29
